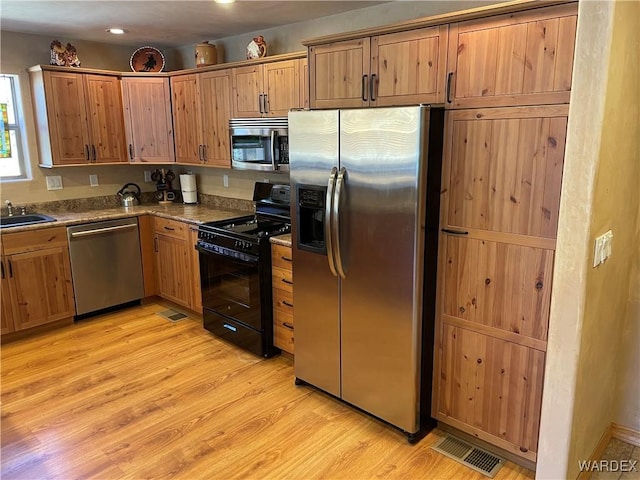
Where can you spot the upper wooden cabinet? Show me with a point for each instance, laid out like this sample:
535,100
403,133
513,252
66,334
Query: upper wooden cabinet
267,90
201,112
405,68
147,106
79,117
523,58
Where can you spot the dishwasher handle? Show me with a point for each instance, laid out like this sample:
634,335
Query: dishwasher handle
98,231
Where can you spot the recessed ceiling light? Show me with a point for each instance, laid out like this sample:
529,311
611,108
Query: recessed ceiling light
116,31
224,1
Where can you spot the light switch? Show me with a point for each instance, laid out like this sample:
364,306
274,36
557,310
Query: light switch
147,176
225,180
54,182
602,248
93,180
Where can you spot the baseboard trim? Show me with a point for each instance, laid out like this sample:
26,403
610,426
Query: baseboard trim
598,451
625,434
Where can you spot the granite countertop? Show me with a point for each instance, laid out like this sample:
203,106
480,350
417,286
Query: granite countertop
194,214
284,240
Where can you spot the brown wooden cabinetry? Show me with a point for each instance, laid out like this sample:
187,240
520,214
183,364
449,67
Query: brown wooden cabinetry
173,261
79,117
201,112
147,106
502,175
282,280
267,90
404,68
36,279
196,291
522,58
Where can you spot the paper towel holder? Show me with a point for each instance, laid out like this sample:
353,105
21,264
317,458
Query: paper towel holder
188,188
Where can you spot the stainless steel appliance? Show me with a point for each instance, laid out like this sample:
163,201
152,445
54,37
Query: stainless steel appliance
106,264
235,271
260,144
366,191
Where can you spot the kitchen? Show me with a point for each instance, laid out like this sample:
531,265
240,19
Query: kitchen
581,348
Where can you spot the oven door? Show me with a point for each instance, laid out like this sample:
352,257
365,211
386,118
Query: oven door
231,287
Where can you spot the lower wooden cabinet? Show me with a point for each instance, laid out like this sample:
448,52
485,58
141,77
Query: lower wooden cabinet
282,282
37,286
173,262
196,291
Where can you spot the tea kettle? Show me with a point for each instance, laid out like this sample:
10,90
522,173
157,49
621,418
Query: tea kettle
129,198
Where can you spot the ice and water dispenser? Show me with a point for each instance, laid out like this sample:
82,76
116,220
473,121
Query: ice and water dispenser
311,213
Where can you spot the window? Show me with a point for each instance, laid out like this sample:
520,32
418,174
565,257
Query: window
12,163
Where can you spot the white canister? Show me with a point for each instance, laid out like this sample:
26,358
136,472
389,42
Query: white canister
206,54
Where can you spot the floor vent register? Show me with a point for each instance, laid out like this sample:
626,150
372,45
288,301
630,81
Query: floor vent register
172,315
468,455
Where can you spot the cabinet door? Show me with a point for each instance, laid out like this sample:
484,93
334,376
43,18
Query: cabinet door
67,118
148,119
40,285
105,118
281,87
173,269
6,320
339,74
186,101
523,58
215,90
408,68
247,91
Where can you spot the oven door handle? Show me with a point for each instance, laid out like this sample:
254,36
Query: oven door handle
335,229
245,257
328,224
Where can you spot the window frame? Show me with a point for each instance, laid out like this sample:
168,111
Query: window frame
18,129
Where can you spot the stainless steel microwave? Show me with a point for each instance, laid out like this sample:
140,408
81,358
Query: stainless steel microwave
260,144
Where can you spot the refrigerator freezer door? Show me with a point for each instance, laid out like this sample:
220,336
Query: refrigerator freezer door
382,237
313,152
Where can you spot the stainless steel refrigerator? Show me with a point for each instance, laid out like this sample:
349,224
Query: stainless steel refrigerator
364,238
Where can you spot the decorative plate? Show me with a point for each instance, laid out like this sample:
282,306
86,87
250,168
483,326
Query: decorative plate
147,59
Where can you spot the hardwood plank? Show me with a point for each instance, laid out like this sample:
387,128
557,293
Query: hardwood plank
130,394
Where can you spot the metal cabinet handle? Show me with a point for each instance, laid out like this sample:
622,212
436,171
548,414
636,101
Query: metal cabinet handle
11,269
93,152
169,228
131,151
155,244
364,87
455,232
2,268
204,153
372,87
284,302
286,259
86,152
449,78
260,103
288,282
287,325
265,100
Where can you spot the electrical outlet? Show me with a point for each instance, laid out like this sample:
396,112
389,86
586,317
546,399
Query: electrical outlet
93,180
147,176
54,182
265,180
225,180
602,249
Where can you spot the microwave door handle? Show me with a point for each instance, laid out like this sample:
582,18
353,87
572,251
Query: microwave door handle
340,182
273,150
328,214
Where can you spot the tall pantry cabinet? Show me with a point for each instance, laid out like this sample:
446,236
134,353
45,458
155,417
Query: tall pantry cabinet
509,83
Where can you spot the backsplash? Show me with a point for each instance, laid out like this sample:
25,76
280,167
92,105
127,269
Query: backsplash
111,201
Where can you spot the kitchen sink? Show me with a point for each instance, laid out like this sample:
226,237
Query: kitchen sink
19,220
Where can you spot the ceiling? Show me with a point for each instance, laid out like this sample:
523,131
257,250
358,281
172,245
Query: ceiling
159,23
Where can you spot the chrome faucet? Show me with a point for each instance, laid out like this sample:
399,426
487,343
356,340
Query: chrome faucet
9,207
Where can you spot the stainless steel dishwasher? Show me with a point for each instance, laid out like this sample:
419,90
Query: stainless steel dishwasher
106,264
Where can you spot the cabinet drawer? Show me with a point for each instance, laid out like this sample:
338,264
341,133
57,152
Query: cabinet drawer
282,278
32,240
283,338
281,256
171,228
283,300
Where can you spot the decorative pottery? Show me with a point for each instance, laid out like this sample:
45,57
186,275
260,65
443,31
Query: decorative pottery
147,59
64,56
257,48
206,54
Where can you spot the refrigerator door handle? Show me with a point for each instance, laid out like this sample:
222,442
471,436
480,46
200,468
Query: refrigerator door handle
336,222
328,213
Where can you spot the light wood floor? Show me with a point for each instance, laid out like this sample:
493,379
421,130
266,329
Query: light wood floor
133,395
